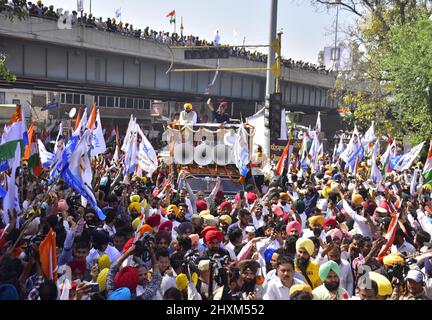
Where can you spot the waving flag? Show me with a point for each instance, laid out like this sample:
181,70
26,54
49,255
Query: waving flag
131,157
117,149
414,182
391,231
131,126
369,136
387,155
427,170
318,123
376,175
405,161
282,160
118,13
76,170
15,133
314,153
98,141
50,106
172,16
48,256
46,157
31,153
11,199
352,147
241,151
147,158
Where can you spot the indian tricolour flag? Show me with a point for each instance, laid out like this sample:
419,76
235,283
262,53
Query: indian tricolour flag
31,153
15,132
172,16
427,170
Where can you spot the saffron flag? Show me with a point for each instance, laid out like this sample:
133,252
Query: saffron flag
48,256
281,164
391,231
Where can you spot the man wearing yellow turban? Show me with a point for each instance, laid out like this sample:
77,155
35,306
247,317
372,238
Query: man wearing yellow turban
135,207
303,263
316,228
188,116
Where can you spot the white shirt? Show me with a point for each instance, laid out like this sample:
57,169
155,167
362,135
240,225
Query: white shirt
307,233
94,254
360,222
188,118
406,249
111,230
277,291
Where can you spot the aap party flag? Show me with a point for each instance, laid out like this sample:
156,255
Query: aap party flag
241,151
98,140
405,161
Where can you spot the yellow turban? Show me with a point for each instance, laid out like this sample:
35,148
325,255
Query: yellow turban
392,258
204,213
136,223
306,244
104,262
135,198
326,191
384,285
187,106
300,287
195,279
174,208
427,187
102,279
136,206
182,281
357,199
314,219
225,218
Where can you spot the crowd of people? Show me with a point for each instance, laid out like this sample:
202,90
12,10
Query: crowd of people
301,235
112,25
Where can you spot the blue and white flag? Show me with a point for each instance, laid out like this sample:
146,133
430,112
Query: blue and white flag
147,157
376,175
405,161
118,13
3,192
241,151
46,158
11,198
50,106
4,165
76,166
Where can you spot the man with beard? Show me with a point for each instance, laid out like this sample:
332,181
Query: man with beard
250,289
346,276
316,224
304,264
188,116
330,289
279,287
213,239
235,244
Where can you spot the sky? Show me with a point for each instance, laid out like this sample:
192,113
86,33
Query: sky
306,28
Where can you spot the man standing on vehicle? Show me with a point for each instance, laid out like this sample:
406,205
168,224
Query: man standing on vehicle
188,116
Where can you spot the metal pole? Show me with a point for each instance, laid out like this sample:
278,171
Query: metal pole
90,6
270,84
336,56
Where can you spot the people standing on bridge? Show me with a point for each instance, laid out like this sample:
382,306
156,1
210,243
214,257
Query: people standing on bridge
188,116
219,116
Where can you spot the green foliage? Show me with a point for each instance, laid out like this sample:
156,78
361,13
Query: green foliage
391,80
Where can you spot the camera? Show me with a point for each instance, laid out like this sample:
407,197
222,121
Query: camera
143,246
190,262
398,271
218,263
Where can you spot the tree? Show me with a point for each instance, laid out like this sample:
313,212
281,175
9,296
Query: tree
379,86
4,72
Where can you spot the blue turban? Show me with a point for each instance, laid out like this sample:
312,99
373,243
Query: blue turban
8,292
268,255
120,294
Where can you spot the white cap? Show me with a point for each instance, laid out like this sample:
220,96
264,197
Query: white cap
250,229
415,275
204,265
